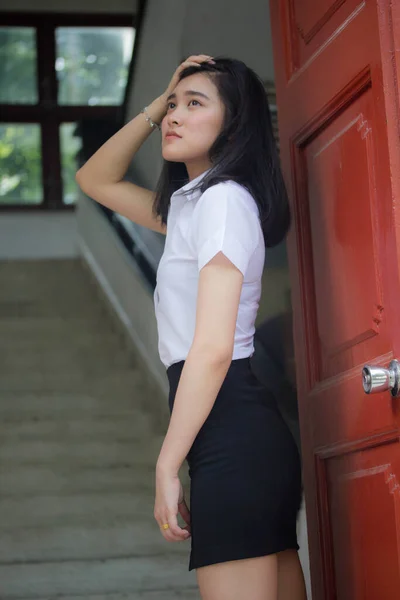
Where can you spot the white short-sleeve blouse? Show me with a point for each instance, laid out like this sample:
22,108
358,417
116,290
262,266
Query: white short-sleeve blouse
224,218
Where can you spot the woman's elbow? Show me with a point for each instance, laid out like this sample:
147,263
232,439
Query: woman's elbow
212,351
83,181
79,178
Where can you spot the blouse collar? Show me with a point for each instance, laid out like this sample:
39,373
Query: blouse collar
189,186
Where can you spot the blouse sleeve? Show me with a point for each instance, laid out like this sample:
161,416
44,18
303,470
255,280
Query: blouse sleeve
225,222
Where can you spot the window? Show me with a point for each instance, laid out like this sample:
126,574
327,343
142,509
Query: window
56,71
20,163
92,65
18,74
70,144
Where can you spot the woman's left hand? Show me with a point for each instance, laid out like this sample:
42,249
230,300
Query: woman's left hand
168,502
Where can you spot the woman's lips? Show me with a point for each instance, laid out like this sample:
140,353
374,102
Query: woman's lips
172,136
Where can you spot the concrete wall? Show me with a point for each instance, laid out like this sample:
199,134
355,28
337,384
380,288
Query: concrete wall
237,29
123,284
212,27
38,236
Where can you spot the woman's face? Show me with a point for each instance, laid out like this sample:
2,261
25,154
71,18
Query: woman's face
195,114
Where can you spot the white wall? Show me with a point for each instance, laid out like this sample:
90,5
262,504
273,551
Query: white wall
175,29
38,236
158,55
237,29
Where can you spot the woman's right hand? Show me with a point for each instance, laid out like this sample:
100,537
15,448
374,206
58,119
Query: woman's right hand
192,61
158,108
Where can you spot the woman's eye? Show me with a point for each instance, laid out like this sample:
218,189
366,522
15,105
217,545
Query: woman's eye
172,105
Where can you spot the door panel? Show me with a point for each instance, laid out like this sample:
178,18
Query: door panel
311,23
366,548
344,236
336,95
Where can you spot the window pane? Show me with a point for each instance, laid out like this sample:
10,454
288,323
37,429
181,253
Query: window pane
70,146
18,81
92,64
20,164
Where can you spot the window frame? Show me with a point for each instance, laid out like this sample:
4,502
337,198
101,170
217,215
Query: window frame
47,113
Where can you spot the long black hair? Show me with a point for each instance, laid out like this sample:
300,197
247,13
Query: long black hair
245,150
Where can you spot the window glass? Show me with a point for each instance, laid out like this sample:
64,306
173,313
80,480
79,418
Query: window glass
70,146
20,164
92,64
18,81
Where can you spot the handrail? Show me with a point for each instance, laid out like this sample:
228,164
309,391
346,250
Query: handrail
145,265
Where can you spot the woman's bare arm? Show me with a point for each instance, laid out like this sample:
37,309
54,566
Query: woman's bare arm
101,177
208,360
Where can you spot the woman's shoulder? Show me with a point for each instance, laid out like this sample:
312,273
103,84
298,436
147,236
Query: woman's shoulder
231,191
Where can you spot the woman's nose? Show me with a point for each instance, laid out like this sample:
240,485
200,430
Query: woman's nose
175,118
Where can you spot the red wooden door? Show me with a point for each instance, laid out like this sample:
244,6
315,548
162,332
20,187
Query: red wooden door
337,73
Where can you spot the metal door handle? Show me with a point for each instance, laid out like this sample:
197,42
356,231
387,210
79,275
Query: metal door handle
378,379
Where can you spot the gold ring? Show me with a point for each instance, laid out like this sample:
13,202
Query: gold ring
165,526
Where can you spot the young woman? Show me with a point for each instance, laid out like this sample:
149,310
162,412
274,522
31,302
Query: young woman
222,197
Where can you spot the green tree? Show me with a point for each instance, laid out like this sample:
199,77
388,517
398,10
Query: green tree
18,65
20,164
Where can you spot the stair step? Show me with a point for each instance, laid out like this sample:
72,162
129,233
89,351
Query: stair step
21,270
122,575
71,307
52,325
56,369
44,402
89,428
18,480
84,340
78,450
65,359
114,381
106,410
85,454
68,330
186,593
135,538
75,509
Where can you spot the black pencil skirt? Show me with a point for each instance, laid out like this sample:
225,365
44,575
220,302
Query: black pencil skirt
245,473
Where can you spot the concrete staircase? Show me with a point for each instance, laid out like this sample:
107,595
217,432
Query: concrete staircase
78,449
